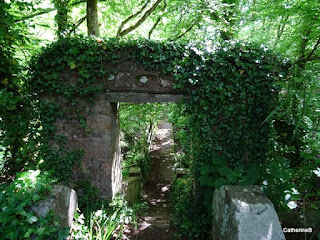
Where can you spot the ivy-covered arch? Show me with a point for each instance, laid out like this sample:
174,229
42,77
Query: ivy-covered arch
229,89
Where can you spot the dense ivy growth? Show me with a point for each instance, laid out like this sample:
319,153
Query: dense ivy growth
81,60
17,219
230,98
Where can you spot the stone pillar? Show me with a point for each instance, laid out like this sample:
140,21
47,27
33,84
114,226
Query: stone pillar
244,212
100,140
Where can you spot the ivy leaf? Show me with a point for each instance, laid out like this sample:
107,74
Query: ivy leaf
224,171
40,231
219,182
31,219
28,233
36,197
73,65
5,81
206,181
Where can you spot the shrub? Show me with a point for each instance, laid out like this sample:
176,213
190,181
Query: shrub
17,219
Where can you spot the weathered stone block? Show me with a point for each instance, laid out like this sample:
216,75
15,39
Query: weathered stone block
70,128
134,172
62,201
244,213
97,168
99,126
131,76
101,163
131,189
181,172
116,176
95,148
102,106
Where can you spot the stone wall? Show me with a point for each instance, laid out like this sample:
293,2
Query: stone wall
100,141
126,81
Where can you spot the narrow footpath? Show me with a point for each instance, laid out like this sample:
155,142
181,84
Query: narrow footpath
155,221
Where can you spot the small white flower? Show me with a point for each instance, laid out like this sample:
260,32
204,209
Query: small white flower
292,204
317,172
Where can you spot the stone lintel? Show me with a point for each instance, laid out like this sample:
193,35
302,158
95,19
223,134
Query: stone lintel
136,97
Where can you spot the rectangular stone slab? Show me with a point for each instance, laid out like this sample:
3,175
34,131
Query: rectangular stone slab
244,212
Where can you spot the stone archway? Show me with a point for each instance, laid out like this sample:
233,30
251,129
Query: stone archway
101,163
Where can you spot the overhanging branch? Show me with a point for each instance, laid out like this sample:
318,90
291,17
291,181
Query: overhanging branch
48,10
158,20
314,49
122,33
131,17
311,55
184,33
77,24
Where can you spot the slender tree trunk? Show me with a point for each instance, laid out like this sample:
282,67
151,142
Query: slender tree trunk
62,17
92,17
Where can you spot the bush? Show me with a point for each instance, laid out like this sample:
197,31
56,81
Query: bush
17,219
105,223
185,214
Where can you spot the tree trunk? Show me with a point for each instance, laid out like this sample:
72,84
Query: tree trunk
62,17
92,17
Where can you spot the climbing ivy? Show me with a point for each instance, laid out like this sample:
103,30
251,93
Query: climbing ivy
74,68
230,95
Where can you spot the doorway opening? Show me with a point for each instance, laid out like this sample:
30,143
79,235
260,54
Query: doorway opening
150,156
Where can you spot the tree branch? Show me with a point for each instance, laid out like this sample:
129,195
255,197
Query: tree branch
304,60
314,49
45,11
158,21
310,57
77,24
181,35
141,20
131,17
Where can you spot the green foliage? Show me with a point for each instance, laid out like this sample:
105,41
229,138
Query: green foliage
62,17
15,108
290,27
230,92
187,217
105,223
228,128
138,123
17,219
232,96
101,226
88,197
297,116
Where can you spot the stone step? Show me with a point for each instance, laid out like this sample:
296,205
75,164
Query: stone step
147,231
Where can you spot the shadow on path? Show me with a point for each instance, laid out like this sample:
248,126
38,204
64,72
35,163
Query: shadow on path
154,222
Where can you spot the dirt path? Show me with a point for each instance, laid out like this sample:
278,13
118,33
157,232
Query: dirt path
154,224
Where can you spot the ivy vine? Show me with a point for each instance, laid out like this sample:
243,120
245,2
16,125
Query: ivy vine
230,90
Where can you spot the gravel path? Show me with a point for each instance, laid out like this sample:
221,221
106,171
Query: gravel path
154,223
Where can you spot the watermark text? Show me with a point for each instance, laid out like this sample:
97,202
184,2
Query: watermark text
297,230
